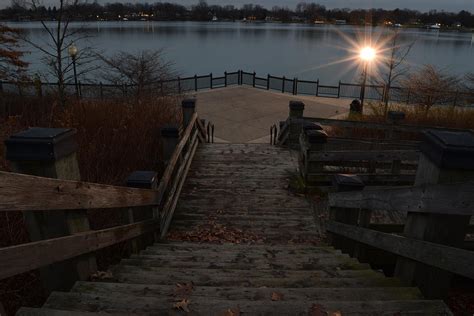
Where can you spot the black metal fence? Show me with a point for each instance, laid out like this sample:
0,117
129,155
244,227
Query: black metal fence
204,82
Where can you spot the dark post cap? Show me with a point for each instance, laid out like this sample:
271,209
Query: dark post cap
347,182
447,149
188,103
170,131
356,106
41,144
143,180
396,115
307,126
296,105
316,136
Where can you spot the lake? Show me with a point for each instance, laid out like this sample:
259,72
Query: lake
294,50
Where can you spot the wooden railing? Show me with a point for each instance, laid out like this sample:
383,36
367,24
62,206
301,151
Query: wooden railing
69,200
350,214
355,134
318,161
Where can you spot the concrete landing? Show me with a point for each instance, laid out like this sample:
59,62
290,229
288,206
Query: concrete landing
245,114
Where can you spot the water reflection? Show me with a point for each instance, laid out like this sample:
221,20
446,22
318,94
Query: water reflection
303,51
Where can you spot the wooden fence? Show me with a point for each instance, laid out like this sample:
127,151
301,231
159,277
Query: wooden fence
65,203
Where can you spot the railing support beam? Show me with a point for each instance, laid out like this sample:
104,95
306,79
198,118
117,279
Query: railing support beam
51,153
446,157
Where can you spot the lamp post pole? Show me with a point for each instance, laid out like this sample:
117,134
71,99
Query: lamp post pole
364,83
73,53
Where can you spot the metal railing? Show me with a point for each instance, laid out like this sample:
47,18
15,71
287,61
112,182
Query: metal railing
195,83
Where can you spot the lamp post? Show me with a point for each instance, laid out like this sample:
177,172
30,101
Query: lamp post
72,50
367,54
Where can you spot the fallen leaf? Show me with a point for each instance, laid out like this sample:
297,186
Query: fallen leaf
183,289
102,275
277,296
317,310
232,312
182,305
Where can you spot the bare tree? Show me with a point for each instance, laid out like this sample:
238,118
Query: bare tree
431,86
394,65
142,71
60,35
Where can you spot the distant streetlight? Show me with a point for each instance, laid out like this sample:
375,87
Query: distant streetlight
366,55
72,50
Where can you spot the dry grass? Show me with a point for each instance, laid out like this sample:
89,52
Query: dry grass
443,116
115,138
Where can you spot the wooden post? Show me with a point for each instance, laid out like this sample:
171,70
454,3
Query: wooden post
283,85
189,107
339,89
294,86
350,216
317,87
268,81
170,135
393,118
210,79
295,115
446,157
312,139
51,153
142,180
240,77
101,91
253,79
225,78
195,83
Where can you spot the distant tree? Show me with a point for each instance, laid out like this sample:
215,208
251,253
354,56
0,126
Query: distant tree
59,39
430,86
394,66
11,64
141,71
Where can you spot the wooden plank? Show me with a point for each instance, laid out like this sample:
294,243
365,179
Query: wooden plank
252,294
26,257
455,199
19,192
123,303
451,259
379,126
372,155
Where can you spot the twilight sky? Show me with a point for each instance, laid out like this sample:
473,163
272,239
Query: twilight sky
422,5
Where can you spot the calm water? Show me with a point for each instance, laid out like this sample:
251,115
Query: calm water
303,51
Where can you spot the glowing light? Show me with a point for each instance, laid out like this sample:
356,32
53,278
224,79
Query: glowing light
367,54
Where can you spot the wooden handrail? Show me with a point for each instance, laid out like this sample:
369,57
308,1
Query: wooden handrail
19,192
451,259
354,155
454,199
165,179
33,255
170,205
374,125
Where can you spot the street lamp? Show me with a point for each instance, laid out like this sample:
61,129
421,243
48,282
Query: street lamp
72,50
366,55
